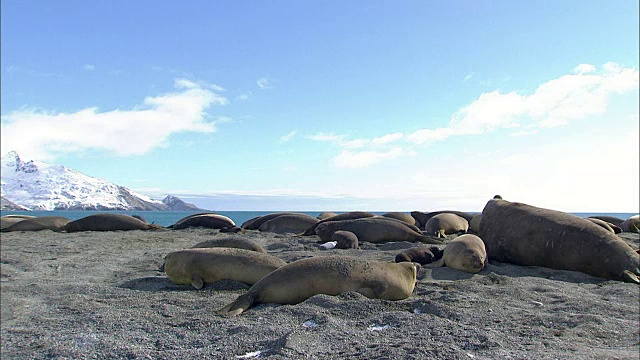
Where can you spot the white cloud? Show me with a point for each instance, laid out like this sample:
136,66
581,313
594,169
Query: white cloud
422,136
360,159
288,137
387,139
325,137
43,134
263,83
89,67
584,69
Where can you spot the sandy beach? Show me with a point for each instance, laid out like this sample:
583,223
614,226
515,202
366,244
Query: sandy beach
102,295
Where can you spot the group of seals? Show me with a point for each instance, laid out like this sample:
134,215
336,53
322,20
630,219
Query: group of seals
374,230
55,223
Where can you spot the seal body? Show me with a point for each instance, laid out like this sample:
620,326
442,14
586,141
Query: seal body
209,220
605,225
8,220
404,217
345,239
422,217
55,223
106,222
375,230
325,215
208,265
232,242
422,255
289,223
632,224
330,275
352,215
465,253
445,224
526,235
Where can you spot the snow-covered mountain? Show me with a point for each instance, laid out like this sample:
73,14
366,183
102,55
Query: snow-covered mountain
41,186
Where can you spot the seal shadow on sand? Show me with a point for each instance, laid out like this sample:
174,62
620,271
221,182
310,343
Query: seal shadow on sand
162,283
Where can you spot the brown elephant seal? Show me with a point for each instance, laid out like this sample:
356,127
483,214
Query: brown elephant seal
610,219
422,255
208,265
288,224
232,242
345,239
526,235
8,220
465,253
605,225
474,224
325,215
352,215
404,217
632,224
209,220
254,223
106,222
55,223
374,230
446,224
330,275
422,218
231,229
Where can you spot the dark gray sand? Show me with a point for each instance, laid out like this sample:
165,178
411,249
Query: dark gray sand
101,295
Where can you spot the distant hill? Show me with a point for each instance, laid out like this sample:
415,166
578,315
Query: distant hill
37,185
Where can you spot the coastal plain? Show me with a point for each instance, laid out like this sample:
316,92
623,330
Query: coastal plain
103,295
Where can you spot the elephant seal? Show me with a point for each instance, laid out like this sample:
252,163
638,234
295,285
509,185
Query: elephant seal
232,242
208,220
8,220
207,265
422,255
352,215
288,223
55,223
474,224
404,217
231,229
374,230
445,224
325,215
465,253
254,223
422,218
106,222
527,235
632,224
605,225
330,275
610,219
345,239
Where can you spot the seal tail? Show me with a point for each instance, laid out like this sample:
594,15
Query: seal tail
241,304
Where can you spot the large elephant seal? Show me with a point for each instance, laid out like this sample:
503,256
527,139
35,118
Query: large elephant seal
421,254
288,223
330,275
466,253
446,224
606,225
526,235
610,219
422,218
208,265
55,223
352,215
8,220
374,230
632,224
404,217
232,242
254,223
208,220
325,215
106,222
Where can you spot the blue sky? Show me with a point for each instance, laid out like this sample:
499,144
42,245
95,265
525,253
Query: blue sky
332,105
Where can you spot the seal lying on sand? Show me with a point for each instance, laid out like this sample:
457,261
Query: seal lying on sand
254,223
526,235
8,220
208,220
606,225
466,253
422,255
208,265
404,217
352,215
445,224
374,230
288,223
422,218
330,275
232,242
55,223
107,222
632,224
345,239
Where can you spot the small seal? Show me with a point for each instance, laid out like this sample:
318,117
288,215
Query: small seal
466,253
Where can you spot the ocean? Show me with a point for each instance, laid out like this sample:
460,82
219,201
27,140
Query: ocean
166,218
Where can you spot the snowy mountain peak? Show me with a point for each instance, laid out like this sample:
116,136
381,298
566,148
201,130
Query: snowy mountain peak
42,186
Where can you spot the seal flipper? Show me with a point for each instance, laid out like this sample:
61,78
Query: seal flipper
241,304
196,282
628,276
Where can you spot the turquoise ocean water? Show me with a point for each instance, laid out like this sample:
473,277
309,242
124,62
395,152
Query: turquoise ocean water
166,218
